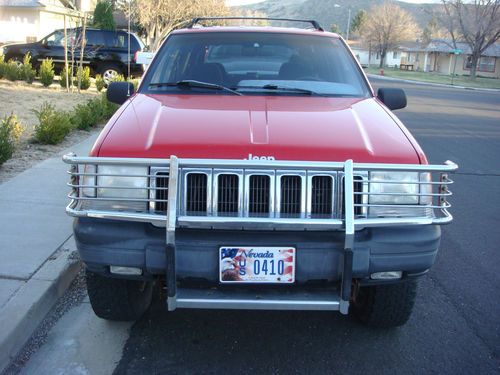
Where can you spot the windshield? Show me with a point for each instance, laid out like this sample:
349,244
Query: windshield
256,63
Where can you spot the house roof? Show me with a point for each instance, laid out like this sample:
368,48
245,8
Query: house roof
21,3
35,3
446,46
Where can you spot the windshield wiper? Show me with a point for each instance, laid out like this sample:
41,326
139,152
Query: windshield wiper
193,83
273,87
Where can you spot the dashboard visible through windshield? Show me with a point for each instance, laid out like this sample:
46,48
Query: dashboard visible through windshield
255,63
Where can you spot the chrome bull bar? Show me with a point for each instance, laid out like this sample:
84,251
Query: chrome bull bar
349,222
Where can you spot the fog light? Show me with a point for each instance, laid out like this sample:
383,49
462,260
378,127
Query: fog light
388,275
125,270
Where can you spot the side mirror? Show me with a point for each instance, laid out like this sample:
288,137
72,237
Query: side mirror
392,98
119,92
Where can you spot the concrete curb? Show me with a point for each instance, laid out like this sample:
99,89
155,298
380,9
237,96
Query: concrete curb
29,306
430,83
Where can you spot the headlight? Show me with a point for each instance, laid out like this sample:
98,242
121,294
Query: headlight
397,190
394,188
124,187
122,182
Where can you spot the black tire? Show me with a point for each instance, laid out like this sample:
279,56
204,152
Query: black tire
118,299
105,70
385,306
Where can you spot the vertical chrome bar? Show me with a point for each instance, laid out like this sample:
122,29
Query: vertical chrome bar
345,293
170,236
349,204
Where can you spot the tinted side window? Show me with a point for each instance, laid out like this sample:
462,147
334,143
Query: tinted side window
134,44
116,40
95,38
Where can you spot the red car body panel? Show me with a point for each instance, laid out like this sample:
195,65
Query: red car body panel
234,127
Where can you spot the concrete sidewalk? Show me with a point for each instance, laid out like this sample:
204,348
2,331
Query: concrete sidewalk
36,249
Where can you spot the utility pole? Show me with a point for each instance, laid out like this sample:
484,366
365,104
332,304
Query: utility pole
66,54
82,51
348,25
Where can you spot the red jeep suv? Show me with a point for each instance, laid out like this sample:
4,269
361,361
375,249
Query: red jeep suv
255,168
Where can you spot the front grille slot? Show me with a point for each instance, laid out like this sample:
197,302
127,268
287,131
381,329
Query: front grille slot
259,194
227,194
161,192
291,192
322,196
358,198
196,193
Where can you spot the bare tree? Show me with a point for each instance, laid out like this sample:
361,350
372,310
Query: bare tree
385,26
433,30
159,17
476,22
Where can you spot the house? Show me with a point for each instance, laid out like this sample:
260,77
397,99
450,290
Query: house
367,56
30,20
441,56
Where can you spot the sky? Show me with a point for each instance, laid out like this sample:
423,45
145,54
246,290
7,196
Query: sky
244,2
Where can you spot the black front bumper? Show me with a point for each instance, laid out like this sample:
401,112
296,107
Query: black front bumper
102,243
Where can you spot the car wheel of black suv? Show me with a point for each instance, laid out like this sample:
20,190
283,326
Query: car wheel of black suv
109,72
385,306
118,299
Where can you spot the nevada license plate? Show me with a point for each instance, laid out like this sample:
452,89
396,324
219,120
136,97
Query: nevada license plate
247,264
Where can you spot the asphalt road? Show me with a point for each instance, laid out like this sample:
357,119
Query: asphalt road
455,328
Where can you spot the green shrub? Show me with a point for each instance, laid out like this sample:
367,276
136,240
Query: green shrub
46,72
99,82
12,71
52,125
10,132
63,82
27,71
118,78
135,82
86,115
2,66
85,78
107,108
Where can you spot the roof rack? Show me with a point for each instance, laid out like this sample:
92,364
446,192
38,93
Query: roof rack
314,23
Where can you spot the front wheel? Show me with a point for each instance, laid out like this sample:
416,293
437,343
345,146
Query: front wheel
109,73
385,306
118,299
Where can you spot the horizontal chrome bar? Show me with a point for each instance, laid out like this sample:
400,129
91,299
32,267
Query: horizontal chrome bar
278,299
259,164
446,182
257,304
445,194
84,174
73,159
415,206
115,187
115,199
118,215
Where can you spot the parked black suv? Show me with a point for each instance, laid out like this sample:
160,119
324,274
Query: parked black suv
105,51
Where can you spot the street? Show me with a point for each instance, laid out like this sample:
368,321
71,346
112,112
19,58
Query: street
455,327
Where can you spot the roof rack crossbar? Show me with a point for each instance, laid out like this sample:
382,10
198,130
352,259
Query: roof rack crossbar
314,23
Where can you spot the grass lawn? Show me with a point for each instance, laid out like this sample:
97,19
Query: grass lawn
487,83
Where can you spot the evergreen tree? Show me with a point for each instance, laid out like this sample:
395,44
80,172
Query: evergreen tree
103,15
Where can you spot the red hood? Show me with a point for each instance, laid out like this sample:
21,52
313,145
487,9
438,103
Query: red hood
234,127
